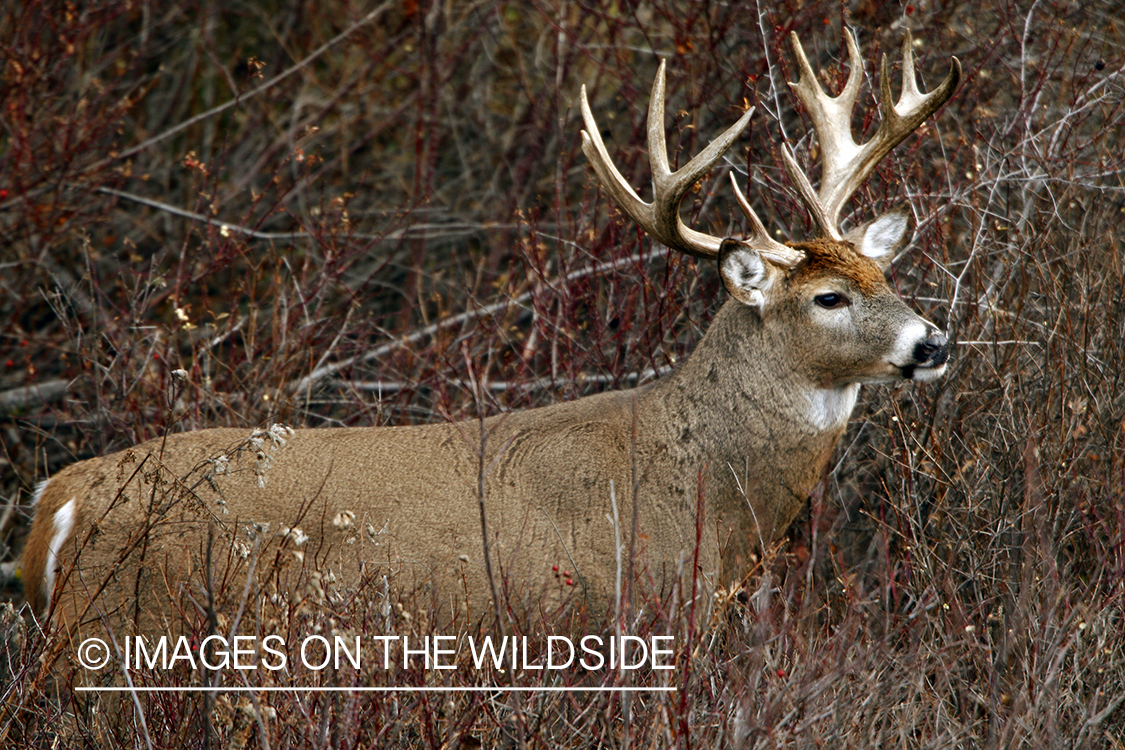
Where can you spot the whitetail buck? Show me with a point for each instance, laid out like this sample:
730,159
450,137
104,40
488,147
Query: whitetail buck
700,469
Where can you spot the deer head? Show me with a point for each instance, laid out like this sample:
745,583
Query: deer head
835,278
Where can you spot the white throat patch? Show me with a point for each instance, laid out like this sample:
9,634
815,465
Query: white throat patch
830,408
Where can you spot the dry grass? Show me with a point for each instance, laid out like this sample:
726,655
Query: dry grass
317,210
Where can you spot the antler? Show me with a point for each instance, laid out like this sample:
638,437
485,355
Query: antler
661,218
844,163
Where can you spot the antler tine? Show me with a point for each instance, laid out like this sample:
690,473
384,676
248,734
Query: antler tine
844,163
661,218
759,238
826,113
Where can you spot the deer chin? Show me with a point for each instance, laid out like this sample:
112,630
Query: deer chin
923,373
889,373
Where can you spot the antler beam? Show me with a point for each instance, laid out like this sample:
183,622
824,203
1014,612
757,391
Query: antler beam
661,218
844,163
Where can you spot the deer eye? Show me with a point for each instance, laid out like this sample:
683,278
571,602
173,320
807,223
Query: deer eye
831,300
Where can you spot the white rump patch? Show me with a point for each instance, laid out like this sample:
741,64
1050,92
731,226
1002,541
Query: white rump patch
64,525
39,490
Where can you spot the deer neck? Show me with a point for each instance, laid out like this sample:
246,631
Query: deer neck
742,377
739,408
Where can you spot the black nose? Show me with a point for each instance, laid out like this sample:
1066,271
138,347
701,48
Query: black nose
933,351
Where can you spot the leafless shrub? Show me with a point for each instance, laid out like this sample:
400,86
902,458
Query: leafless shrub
315,211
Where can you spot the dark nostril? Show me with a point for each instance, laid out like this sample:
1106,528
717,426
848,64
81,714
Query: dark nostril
935,349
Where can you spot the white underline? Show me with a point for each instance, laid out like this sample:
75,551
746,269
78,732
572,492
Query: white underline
336,689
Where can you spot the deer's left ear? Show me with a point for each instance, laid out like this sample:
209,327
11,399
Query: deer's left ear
745,273
880,238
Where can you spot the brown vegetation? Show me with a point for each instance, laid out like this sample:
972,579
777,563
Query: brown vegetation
329,215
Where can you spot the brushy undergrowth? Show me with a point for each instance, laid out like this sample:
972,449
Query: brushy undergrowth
344,214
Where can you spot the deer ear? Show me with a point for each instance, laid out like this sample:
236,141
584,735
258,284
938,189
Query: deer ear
880,238
746,274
